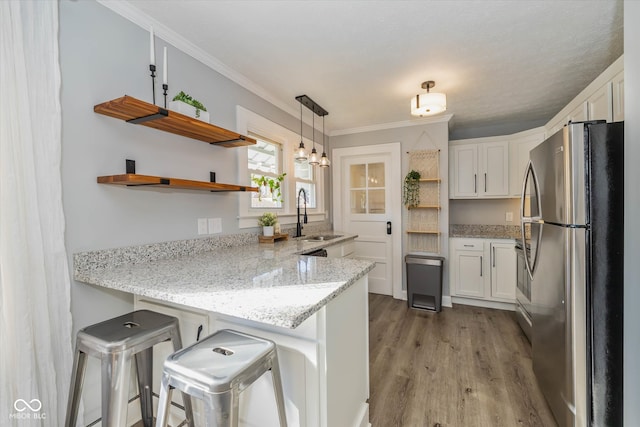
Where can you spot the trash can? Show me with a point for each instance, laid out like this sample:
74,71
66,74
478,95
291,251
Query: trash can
424,282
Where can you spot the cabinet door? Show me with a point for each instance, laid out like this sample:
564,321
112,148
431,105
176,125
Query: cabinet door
579,114
599,105
503,271
617,90
469,273
494,179
464,179
519,154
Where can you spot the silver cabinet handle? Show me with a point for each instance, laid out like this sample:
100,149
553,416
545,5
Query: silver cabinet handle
485,182
468,246
481,266
493,253
475,183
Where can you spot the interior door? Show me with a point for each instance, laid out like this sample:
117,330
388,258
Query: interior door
366,192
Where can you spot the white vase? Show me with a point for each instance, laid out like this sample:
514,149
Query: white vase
188,110
267,230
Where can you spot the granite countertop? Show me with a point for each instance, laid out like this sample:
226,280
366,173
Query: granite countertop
485,231
268,283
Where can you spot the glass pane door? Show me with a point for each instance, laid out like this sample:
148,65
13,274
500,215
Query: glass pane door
367,188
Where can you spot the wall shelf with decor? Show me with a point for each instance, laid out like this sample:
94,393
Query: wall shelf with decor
135,111
423,219
132,179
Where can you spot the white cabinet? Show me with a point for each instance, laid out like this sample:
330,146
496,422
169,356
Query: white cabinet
600,105
617,92
483,270
468,269
479,169
503,270
519,149
341,250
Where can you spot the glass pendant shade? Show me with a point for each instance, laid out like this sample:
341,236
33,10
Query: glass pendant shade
428,104
301,153
324,160
313,158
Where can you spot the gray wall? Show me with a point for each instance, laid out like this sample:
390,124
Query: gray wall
632,212
428,136
104,56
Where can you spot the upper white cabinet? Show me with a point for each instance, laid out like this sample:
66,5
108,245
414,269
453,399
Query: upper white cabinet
519,147
603,99
617,89
479,169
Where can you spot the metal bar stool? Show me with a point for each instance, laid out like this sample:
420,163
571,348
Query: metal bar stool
115,342
217,369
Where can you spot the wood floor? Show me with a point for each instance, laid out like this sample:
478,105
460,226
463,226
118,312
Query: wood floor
462,367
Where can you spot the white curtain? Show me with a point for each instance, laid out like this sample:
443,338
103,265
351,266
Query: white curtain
35,326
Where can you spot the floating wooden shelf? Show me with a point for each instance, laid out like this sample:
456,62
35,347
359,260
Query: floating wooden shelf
135,180
425,207
135,111
430,180
423,232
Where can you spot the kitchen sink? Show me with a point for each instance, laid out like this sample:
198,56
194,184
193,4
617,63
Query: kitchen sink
322,238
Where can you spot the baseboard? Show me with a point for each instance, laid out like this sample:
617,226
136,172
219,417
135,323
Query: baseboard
483,303
362,420
446,301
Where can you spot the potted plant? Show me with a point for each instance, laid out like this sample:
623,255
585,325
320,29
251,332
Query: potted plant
411,189
185,104
267,220
273,184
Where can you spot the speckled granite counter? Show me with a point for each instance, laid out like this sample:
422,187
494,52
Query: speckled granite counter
485,231
268,283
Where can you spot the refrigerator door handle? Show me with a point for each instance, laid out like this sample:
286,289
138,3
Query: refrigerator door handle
530,173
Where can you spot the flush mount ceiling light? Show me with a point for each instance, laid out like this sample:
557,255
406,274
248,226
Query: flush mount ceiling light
430,103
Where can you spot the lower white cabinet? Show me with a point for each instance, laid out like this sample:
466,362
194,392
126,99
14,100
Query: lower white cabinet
341,250
483,270
324,363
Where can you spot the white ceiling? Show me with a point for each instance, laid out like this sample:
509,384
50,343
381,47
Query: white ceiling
499,62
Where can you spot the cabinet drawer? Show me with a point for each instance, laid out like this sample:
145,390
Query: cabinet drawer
469,244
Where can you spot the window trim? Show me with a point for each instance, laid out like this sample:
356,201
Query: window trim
249,122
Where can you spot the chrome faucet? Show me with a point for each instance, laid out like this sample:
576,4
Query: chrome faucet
299,225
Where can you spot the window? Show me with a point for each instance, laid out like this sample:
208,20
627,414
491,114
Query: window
264,159
305,178
270,157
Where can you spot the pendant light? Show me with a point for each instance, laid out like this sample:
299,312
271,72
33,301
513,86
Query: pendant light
301,153
313,158
429,103
324,160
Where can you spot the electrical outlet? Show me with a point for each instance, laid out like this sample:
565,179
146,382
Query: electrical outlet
215,225
202,225
509,217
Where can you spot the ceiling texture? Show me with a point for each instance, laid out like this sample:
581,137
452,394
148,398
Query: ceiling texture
512,63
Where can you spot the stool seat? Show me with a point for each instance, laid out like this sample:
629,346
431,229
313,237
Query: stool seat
216,369
116,342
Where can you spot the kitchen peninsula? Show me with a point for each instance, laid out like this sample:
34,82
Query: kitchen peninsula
314,308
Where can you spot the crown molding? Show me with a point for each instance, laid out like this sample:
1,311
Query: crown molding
127,10
393,125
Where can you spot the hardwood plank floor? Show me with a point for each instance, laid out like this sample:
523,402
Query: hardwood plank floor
462,367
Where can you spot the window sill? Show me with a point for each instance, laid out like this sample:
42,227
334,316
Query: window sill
252,221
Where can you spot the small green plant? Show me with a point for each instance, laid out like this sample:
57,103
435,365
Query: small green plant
267,219
411,189
272,183
187,99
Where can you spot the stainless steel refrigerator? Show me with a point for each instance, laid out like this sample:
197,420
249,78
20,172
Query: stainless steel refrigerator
572,209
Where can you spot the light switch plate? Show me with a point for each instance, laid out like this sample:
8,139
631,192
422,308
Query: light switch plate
509,217
202,225
215,225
